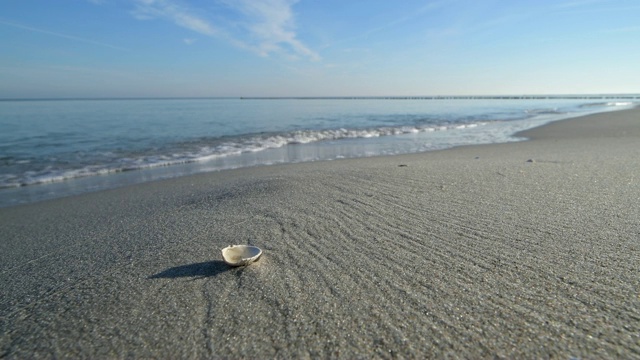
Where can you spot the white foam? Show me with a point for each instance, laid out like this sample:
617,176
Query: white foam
252,144
620,103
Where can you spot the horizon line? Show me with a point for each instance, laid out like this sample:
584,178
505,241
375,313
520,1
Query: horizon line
349,97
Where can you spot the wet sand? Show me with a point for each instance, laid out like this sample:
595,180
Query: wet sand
518,250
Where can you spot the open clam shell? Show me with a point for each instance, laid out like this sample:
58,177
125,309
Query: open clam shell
239,255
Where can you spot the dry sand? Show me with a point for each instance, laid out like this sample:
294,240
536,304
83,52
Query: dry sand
473,252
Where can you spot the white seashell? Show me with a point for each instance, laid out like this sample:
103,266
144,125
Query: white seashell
239,255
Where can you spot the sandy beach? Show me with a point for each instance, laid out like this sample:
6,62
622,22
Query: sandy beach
517,250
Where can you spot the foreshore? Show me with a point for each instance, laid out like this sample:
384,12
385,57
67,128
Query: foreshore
517,250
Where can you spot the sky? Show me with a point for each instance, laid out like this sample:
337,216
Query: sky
212,48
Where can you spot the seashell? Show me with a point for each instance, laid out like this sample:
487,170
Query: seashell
239,255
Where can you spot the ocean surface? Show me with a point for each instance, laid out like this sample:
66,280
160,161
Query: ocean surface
56,148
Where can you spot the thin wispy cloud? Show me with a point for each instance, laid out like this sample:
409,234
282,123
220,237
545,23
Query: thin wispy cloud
594,6
578,3
61,35
180,15
262,26
622,30
189,41
271,23
416,13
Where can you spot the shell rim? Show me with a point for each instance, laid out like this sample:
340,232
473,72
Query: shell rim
244,260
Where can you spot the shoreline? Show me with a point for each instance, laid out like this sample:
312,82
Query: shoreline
384,145
522,249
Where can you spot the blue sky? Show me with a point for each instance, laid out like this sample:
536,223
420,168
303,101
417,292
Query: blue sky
184,48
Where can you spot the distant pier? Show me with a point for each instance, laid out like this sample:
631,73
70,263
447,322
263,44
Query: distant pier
453,97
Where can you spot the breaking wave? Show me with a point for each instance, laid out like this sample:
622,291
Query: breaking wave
205,149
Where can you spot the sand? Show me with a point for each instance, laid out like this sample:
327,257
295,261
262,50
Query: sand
518,250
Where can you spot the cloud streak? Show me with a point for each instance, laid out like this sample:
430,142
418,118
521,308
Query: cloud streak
60,35
266,26
181,16
271,22
579,3
623,30
416,13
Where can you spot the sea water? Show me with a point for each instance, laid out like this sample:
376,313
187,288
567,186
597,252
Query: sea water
55,148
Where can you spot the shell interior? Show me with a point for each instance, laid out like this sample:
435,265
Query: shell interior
237,255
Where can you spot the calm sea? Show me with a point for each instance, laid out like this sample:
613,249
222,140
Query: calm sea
55,148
